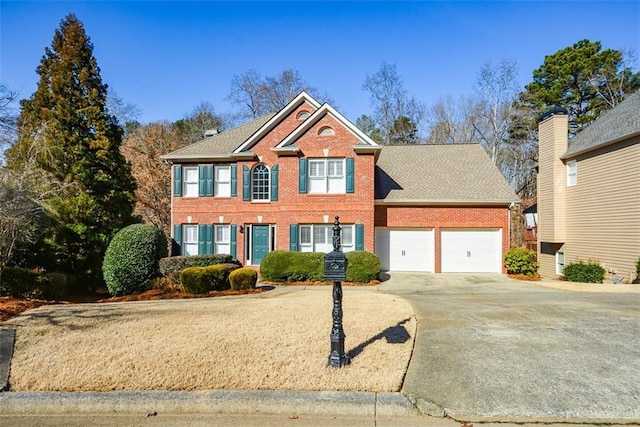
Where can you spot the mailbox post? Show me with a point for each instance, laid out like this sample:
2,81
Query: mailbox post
335,269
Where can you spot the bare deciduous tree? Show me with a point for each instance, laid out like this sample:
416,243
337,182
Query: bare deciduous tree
143,148
390,101
257,95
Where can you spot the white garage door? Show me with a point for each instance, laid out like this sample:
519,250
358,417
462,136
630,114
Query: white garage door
471,251
405,249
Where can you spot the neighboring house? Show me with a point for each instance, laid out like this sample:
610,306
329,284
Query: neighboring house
278,182
589,192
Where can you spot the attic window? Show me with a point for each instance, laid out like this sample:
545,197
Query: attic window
572,173
303,115
326,131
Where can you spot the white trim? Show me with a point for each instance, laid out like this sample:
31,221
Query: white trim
273,121
320,112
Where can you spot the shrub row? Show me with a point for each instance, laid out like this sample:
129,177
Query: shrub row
217,277
585,272
24,283
287,266
176,264
521,261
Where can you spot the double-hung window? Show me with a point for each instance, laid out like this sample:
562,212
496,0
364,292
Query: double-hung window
222,236
190,239
319,238
559,262
327,176
572,173
222,184
190,181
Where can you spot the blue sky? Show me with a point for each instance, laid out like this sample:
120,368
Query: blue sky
166,57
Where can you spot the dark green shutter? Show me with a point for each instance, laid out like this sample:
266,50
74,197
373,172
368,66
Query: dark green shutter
177,180
246,181
234,180
350,174
205,239
234,241
302,176
359,237
274,182
293,237
177,236
205,180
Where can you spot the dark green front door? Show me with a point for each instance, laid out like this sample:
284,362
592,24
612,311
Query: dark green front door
259,243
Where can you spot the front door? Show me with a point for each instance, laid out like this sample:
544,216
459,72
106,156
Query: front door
259,243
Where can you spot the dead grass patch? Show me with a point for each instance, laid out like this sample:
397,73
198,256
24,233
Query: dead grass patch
276,340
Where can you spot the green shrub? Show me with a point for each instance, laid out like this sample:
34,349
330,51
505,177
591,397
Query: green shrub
362,266
243,278
54,285
637,279
172,266
132,258
18,282
589,272
200,280
521,261
286,266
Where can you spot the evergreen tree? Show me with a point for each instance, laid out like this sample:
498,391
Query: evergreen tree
583,78
66,123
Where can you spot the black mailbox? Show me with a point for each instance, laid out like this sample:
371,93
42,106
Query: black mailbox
335,266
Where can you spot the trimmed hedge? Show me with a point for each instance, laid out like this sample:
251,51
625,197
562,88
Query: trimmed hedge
521,261
176,264
286,266
243,278
589,272
132,258
200,280
362,266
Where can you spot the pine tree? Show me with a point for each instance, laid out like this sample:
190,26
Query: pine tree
66,134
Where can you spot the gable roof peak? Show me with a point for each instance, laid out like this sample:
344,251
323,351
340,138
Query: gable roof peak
313,119
277,118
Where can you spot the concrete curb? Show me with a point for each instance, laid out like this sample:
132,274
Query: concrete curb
365,404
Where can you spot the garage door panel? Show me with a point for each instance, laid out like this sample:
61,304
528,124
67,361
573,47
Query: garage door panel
405,249
471,251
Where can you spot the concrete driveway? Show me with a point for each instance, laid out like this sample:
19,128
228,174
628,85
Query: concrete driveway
489,348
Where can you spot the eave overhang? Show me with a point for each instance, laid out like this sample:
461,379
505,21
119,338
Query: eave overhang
444,202
195,158
575,154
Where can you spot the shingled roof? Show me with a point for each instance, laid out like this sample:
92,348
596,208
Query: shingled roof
219,145
621,122
449,173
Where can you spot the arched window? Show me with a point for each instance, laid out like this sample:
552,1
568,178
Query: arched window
303,115
326,131
260,183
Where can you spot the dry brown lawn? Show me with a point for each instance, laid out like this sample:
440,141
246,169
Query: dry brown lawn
276,340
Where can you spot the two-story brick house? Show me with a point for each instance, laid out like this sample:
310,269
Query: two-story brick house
278,181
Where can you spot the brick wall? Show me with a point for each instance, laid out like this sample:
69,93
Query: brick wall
443,217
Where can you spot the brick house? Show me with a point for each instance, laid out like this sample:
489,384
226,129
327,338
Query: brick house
278,181
589,192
